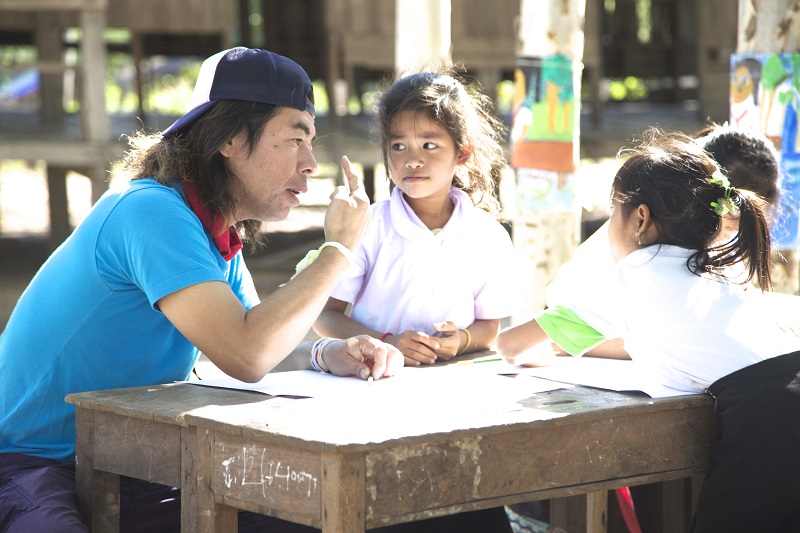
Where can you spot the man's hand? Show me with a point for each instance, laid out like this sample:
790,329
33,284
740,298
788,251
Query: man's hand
362,356
348,212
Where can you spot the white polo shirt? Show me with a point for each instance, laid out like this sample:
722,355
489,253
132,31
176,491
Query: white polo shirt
691,329
406,277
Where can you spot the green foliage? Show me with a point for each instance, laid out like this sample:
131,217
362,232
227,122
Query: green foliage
628,89
773,73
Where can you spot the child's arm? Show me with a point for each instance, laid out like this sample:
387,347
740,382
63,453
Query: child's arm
610,349
526,344
333,322
417,346
455,341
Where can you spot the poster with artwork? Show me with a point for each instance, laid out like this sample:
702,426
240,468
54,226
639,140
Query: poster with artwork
765,95
544,190
544,149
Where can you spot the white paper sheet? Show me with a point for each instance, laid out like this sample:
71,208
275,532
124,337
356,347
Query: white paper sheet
612,374
410,385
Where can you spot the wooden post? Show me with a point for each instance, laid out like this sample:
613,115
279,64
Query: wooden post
422,34
766,36
714,50
545,137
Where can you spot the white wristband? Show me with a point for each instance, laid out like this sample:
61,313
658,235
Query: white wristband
313,254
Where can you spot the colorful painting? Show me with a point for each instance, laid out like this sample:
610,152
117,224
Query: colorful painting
544,190
543,129
765,95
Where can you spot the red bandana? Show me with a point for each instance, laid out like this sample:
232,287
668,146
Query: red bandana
228,242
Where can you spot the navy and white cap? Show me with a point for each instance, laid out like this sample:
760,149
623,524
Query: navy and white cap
250,75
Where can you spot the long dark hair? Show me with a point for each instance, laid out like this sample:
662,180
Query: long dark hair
193,155
466,114
680,183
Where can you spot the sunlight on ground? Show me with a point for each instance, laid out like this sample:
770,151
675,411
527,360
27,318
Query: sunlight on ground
24,207
24,204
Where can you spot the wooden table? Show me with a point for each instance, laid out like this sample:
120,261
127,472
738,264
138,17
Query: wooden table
296,458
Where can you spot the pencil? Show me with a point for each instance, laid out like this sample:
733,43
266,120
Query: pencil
475,361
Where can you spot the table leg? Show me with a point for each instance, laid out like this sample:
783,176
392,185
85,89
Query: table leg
597,512
343,493
585,512
199,511
677,504
96,492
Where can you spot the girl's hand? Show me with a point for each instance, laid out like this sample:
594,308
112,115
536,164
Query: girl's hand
449,341
416,346
362,356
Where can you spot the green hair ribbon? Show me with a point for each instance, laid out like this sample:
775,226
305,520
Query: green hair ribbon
724,205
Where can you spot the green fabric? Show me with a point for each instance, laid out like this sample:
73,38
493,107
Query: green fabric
567,330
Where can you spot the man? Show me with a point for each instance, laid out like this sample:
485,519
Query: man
155,274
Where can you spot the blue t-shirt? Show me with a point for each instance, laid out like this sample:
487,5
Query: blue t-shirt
88,320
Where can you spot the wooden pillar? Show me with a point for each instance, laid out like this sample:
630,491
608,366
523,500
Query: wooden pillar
422,35
593,58
49,48
713,53
545,137
333,75
93,77
137,55
57,201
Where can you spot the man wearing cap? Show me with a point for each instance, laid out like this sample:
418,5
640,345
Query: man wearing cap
155,274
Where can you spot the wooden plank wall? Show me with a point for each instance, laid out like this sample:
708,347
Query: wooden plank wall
171,16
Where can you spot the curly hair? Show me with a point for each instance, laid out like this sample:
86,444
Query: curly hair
674,177
466,114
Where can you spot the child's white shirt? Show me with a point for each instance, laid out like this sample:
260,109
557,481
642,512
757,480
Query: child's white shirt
591,258
407,278
691,329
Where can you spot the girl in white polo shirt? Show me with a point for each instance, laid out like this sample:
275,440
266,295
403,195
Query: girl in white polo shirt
669,300
436,271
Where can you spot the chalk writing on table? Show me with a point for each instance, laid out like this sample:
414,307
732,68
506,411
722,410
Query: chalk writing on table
251,467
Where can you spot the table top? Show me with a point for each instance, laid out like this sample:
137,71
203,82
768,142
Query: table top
394,460
352,423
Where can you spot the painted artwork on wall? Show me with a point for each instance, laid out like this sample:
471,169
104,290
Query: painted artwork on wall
543,132
765,95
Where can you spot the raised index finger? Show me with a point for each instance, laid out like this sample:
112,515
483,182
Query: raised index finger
353,180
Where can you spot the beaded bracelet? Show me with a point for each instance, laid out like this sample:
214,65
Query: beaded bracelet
469,340
313,254
316,354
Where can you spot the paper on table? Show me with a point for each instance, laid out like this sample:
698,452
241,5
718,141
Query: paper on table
613,374
411,384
